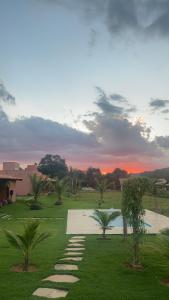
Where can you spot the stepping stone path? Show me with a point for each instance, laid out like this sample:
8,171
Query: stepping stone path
5,217
50,293
63,267
62,278
75,244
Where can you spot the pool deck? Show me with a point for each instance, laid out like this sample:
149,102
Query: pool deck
80,222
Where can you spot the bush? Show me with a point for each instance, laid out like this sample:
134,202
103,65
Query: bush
35,206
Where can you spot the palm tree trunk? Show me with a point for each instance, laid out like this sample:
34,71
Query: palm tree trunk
124,228
26,262
104,233
136,248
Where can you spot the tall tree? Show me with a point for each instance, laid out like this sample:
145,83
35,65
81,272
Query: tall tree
114,177
133,211
91,175
76,179
101,185
60,187
53,166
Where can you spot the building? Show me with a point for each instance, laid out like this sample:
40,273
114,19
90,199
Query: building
8,188
13,169
11,165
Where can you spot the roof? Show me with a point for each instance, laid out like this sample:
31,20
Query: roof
8,177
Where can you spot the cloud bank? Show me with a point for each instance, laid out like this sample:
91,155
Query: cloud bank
5,96
112,139
146,17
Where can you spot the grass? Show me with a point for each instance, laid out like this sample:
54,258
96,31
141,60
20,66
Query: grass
102,273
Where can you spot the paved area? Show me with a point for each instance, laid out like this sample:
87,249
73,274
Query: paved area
80,222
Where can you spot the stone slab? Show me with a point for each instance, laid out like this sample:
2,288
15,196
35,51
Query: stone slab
74,249
50,293
75,245
62,278
72,258
78,237
73,253
64,267
76,241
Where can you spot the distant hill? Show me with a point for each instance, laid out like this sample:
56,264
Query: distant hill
159,173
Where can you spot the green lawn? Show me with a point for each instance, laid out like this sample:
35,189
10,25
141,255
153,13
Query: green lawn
103,274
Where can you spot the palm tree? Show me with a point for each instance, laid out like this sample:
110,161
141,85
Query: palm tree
27,241
104,219
38,184
101,186
60,186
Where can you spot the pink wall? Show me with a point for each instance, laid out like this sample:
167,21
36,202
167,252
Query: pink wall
22,187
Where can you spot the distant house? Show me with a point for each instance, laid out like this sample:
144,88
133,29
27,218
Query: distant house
122,180
13,169
161,184
8,188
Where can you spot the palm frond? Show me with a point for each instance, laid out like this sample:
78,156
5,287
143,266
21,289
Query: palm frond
13,239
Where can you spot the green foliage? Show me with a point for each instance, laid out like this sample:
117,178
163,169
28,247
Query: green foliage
92,174
159,173
60,187
38,185
132,209
104,219
75,180
27,241
53,166
102,186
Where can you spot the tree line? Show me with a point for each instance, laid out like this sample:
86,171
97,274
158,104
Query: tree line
54,166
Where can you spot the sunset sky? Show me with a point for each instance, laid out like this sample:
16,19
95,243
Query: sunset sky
85,79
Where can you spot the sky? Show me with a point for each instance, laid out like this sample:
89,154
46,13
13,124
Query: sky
85,79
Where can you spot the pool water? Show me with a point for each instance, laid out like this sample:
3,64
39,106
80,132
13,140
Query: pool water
118,222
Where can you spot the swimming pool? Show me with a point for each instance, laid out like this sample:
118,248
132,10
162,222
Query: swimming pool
118,222
79,221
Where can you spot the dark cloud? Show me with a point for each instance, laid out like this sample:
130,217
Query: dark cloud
118,98
37,135
158,104
92,38
120,16
106,103
5,96
119,137
163,141
165,111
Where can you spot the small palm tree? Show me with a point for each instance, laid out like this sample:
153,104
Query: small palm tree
38,184
60,187
104,219
27,241
101,186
